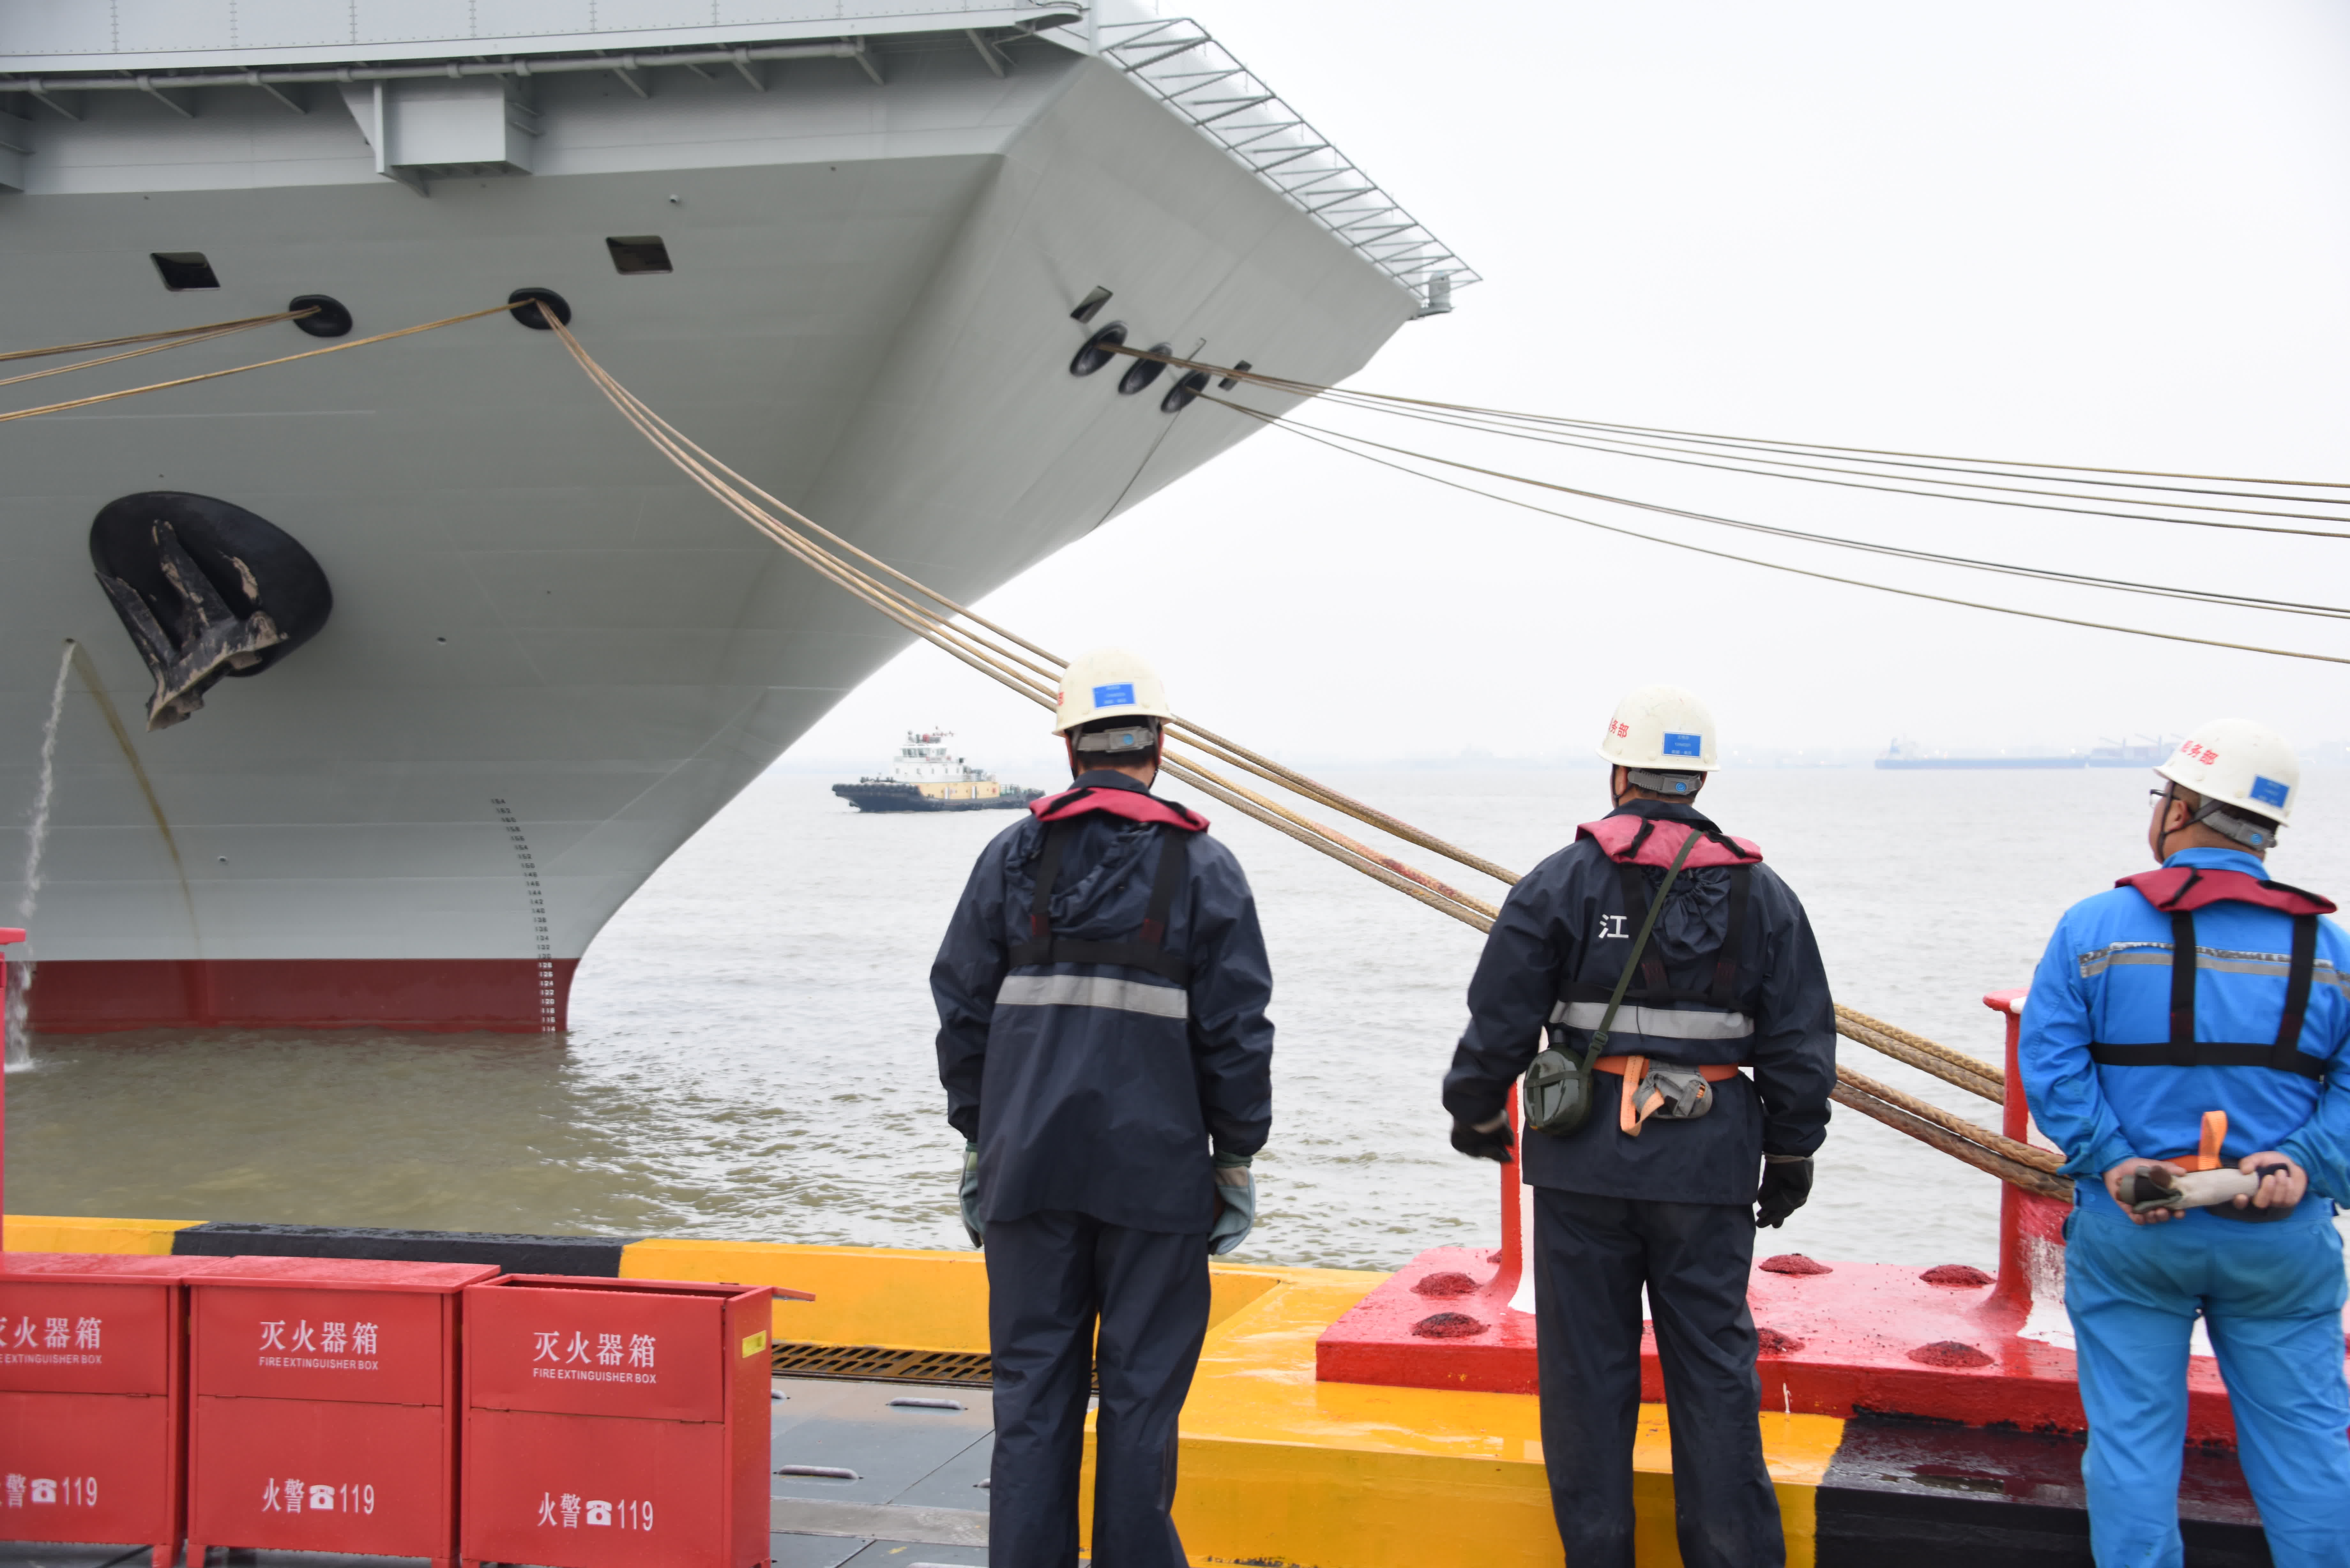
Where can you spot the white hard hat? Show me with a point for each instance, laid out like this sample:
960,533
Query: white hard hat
1663,728
2236,763
1108,683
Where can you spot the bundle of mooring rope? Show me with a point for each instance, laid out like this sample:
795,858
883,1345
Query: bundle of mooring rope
1034,672
181,336
1923,475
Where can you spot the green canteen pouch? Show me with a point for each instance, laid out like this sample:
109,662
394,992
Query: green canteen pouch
1556,1093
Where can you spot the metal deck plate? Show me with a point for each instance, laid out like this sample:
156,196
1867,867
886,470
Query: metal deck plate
912,1481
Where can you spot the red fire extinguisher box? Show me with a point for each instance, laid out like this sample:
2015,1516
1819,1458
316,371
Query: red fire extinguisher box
91,1399
322,1413
616,1423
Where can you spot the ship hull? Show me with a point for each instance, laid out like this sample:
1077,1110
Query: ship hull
551,660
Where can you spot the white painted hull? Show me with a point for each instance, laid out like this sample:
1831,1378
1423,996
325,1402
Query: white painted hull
870,316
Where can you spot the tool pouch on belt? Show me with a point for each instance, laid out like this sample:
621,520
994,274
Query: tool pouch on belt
1557,1092
1683,1092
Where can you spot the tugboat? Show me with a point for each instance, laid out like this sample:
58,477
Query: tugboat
924,777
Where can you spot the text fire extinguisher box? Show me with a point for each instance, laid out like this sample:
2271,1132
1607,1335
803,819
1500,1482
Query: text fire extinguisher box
323,1407
615,1422
92,1393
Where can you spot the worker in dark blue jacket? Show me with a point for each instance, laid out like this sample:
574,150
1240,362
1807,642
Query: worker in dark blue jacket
1645,1137
2144,1065
1105,1053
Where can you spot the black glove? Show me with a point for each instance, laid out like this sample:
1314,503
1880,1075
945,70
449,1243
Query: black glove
1786,1183
1494,1143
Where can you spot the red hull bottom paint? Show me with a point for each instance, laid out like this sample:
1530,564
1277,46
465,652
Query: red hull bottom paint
521,996
1839,1342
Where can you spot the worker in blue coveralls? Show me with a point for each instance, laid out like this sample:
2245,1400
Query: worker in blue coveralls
2195,1019
1105,1053
1646,1139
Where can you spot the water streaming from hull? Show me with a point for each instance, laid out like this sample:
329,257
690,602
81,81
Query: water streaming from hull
36,838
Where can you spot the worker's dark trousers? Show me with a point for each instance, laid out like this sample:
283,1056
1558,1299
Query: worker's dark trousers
1051,1277
1591,1257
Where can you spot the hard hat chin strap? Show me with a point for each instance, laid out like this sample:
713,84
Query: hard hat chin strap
2213,814
2228,825
1127,738
1682,786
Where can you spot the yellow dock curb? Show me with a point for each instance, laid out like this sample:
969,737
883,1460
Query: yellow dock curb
43,1233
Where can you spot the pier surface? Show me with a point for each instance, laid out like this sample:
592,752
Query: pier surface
1278,1467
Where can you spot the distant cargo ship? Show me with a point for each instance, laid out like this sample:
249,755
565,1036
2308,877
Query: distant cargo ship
924,777
2128,753
1904,755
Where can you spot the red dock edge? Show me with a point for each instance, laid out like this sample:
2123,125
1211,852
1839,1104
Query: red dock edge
1948,1344
88,996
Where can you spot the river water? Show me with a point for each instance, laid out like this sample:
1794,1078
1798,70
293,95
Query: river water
750,1052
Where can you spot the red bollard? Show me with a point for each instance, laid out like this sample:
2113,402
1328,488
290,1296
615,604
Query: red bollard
611,1423
2031,1228
323,1409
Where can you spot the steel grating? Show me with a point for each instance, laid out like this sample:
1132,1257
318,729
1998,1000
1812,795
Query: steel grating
880,1363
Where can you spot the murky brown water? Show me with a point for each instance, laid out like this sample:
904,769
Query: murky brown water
751,1050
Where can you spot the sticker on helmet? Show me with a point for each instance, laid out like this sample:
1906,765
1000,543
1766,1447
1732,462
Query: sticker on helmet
1114,696
2268,791
1684,745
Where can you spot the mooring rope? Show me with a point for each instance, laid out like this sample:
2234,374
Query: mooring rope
1931,557
1038,682
1278,422
259,365
1034,672
237,324
2042,1160
1317,389
1955,1067
1967,1146
181,342
1810,474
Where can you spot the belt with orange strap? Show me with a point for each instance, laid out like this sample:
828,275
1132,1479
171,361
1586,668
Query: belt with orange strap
2207,1157
1633,1109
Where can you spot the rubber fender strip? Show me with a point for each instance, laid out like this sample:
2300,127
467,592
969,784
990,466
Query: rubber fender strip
596,1257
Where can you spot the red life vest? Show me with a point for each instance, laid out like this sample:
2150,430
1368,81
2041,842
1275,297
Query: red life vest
2178,887
1655,840
1147,951
2178,891
1633,841
1134,804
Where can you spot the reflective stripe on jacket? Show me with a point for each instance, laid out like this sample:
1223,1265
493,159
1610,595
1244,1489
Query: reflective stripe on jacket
1100,1087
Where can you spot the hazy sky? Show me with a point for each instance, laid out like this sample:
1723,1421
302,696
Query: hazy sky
2092,232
